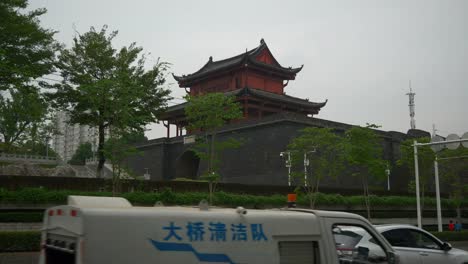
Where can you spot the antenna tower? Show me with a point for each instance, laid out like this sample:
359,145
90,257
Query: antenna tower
411,106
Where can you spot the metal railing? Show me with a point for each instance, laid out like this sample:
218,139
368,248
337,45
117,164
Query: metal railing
11,157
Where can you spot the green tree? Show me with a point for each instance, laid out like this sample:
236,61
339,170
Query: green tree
117,149
82,153
19,112
365,155
27,51
425,163
453,170
38,136
107,88
327,160
205,115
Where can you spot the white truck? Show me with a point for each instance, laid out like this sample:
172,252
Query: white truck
98,230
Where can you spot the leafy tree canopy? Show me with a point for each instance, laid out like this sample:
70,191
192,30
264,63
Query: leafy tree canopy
327,160
205,115
364,151
211,111
426,156
453,170
425,161
365,155
27,51
104,87
83,152
19,112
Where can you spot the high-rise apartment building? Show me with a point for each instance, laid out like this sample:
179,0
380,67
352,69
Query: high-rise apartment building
70,136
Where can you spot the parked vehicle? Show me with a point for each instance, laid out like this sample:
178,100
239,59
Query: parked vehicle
354,241
98,230
414,245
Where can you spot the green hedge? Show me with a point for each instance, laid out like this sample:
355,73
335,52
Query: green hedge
21,217
40,195
452,235
17,241
37,217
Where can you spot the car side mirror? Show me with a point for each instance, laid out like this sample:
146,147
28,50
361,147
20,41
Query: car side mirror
446,246
393,258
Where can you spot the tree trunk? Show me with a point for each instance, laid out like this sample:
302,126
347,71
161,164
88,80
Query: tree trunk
212,152
101,158
210,186
365,186
7,143
316,187
208,150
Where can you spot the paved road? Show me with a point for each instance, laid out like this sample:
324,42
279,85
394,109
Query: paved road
460,244
32,257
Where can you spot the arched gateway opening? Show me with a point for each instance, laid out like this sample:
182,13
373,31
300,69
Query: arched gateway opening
187,165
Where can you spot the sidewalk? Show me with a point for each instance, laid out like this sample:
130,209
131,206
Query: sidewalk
33,257
19,258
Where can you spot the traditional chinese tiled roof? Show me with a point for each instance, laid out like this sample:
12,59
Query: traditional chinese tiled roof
247,59
282,98
256,93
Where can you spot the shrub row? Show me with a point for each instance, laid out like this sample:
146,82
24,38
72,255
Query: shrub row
40,195
452,235
36,217
17,241
21,217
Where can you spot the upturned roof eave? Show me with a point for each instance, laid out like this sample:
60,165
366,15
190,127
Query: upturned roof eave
236,62
285,73
307,105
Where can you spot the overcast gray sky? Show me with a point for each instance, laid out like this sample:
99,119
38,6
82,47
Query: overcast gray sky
360,55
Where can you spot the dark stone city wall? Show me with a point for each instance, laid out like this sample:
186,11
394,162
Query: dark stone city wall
257,161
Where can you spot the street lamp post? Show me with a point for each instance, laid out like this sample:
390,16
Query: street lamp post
416,172
436,168
306,163
439,210
288,164
146,176
387,171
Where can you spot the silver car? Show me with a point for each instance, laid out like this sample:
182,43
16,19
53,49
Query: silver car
416,246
